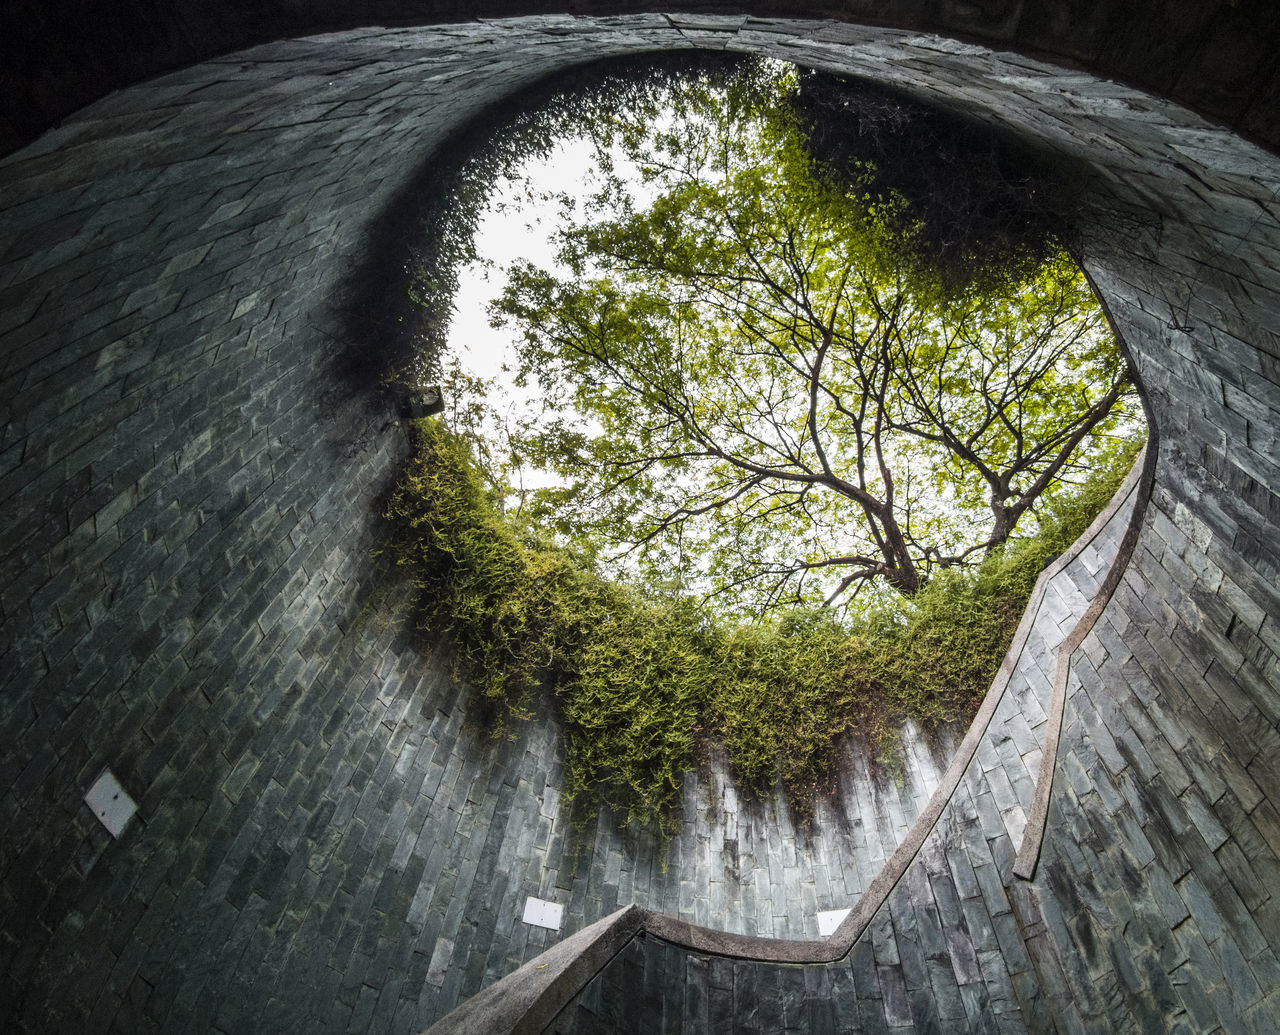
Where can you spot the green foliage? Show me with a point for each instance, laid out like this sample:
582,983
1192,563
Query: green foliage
495,145
961,624
521,613
475,580
968,209
787,692
750,386
641,683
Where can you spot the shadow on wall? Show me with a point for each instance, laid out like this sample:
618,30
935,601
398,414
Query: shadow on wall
1219,59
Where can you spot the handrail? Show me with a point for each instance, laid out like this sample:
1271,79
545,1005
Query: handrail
527,999
1143,472
530,997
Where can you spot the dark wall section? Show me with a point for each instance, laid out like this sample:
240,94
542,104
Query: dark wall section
1217,57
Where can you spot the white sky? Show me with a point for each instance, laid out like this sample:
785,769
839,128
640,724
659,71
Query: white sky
512,228
520,223
517,224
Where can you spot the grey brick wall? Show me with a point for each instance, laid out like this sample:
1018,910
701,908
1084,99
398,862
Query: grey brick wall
1218,57
188,597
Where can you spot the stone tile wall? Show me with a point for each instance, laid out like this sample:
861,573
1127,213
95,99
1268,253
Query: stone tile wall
1219,58
188,596
946,951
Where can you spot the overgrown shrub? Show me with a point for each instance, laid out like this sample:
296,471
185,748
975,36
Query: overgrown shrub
640,683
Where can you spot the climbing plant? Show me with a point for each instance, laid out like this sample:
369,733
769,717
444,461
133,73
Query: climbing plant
641,683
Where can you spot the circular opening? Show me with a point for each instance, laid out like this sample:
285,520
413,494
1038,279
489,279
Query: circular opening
815,390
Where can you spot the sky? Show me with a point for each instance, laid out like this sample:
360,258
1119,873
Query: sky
519,224
513,227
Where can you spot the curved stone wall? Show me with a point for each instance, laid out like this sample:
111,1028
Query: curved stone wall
188,596
1217,57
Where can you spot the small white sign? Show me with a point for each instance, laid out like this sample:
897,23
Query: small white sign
541,913
110,803
829,920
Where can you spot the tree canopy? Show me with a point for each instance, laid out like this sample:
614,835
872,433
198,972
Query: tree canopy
749,389
755,381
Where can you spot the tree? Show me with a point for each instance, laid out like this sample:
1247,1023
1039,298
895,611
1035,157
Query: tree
747,387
